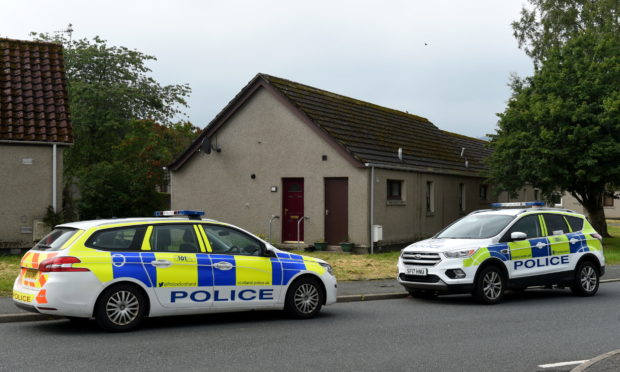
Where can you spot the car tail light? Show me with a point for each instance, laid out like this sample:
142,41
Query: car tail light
597,236
57,264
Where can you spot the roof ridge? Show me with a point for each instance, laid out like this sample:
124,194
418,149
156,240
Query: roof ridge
463,136
269,78
31,41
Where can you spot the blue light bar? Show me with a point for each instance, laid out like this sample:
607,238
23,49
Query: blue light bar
193,215
518,204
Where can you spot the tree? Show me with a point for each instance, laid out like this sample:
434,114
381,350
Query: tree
561,127
125,184
112,96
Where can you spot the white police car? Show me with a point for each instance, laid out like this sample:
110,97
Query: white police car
122,270
489,251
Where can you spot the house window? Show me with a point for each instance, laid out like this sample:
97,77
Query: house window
608,199
462,197
430,196
484,190
394,190
536,194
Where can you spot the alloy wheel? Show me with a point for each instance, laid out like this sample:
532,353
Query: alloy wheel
306,298
122,307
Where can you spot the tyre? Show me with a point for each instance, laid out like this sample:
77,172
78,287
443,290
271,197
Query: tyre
304,298
586,280
120,308
422,293
490,286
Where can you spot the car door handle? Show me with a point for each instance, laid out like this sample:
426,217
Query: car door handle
223,265
161,263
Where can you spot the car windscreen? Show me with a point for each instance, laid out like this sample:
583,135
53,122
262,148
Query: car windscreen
55,239
476,226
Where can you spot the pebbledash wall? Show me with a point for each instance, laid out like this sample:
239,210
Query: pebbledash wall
410,220
265,139
26,190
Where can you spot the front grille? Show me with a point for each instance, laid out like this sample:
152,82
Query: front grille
419,279
421,258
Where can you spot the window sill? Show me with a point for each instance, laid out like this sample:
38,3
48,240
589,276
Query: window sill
396,202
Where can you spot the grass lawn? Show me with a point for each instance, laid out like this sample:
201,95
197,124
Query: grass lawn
9,269
360,267
611,246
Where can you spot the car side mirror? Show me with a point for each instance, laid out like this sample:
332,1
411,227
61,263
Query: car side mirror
518,235
269,252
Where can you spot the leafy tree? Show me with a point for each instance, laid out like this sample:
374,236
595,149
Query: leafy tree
125,184
112,98
561,127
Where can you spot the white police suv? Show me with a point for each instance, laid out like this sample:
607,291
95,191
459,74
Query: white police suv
122,270
489,251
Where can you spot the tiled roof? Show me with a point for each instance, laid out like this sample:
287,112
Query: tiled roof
33,92
368,133
373,134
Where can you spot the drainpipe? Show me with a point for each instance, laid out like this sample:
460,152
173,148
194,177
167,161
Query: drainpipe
372,208
54,176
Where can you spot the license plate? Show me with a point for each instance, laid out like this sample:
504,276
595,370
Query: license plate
22,297
31,274
416,271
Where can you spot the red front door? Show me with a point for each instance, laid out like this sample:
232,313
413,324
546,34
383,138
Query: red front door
292,209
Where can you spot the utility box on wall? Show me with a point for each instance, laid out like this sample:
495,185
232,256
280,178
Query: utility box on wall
377,233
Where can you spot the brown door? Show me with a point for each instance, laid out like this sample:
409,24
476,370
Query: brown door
292,209
336,210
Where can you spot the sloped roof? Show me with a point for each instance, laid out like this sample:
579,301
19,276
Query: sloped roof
367,133
33,93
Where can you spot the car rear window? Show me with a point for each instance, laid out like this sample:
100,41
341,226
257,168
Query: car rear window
576,223
119,239
55,239
556,225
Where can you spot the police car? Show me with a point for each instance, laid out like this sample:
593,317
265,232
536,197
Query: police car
489,251
122,270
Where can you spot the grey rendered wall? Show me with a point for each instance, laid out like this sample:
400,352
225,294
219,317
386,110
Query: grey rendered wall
410,221
25,190
266,139
568,201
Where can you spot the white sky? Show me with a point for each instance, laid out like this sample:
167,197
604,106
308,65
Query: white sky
369,50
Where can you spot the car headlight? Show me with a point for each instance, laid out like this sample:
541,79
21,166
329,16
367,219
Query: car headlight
327,267
460,254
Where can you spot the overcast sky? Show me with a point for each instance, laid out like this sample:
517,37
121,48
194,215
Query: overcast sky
446,60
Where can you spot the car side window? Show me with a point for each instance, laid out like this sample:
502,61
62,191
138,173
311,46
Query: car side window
556,225
119,239
576,223
226,240
528,225
174,238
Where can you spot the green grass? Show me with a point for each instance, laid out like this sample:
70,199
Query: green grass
9,269
360,267
611,246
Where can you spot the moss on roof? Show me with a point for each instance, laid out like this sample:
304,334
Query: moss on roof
373,134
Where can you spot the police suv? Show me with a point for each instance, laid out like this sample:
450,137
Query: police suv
489,251
122,270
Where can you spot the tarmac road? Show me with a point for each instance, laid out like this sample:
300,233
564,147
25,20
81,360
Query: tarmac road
451,333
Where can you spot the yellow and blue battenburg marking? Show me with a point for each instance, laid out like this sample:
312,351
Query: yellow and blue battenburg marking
241,271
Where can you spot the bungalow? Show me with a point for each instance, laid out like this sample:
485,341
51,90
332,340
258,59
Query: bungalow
300,164
34,131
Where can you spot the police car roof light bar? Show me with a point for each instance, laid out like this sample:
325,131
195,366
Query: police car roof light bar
518,204
193,215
